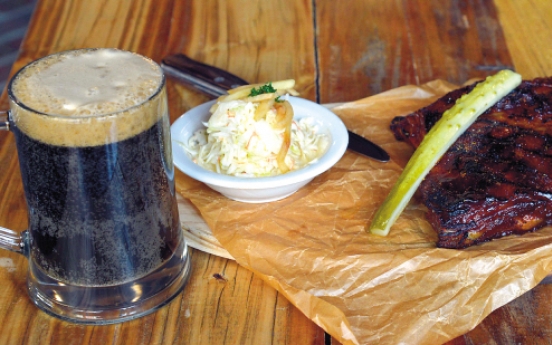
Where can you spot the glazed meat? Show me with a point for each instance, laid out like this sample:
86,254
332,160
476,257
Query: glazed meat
496,180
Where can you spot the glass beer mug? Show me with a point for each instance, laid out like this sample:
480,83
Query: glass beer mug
104,242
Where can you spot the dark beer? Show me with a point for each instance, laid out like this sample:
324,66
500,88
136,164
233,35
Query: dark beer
100,214
93,141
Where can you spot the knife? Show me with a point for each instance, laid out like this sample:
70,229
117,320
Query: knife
215,82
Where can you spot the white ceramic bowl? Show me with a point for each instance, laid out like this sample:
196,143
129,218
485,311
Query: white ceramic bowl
260,189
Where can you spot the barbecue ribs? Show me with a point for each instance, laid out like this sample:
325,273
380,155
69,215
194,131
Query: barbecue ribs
496,179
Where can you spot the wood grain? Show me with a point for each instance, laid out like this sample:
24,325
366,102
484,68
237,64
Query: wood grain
257,40
240,308
525,320
527,26
336,52
394,43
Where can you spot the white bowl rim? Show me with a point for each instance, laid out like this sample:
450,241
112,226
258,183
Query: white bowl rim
336,149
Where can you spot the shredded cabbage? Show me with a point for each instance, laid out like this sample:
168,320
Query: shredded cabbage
233,143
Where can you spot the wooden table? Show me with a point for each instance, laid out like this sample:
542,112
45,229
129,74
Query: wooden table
337,51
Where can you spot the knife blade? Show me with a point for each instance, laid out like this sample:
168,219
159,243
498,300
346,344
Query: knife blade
215,82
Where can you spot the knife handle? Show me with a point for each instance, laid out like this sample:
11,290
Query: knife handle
208,79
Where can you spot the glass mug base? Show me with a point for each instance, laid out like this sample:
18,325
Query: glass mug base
114,303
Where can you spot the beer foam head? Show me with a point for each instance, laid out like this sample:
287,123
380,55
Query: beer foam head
87,82
87,97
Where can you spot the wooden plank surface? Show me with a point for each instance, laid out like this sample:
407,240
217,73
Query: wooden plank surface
355,50
14,19
241,308
393,43
527,26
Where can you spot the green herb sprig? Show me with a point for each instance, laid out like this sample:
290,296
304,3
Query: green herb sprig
267,88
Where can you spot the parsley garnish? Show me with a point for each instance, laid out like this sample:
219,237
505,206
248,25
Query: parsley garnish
267,88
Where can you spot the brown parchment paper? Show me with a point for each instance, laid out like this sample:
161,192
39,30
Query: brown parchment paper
314,249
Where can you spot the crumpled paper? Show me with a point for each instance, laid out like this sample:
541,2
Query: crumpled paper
313,246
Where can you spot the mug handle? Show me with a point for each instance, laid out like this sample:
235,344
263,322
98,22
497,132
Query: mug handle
14,241
9,239
4,122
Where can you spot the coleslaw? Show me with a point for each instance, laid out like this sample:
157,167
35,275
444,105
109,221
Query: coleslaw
237,142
